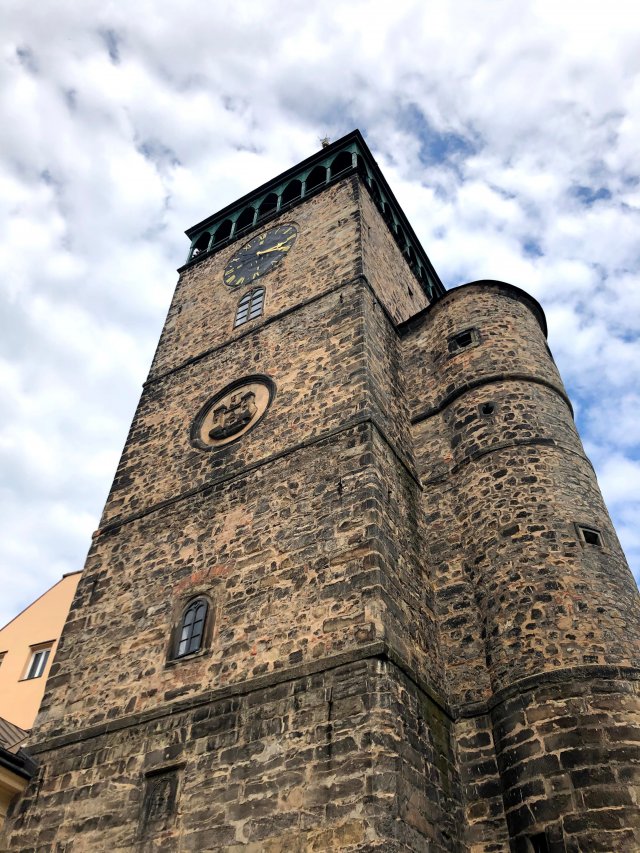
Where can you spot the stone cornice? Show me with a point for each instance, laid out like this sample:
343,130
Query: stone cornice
380,650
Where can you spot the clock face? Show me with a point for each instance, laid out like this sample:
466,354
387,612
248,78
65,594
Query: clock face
259,255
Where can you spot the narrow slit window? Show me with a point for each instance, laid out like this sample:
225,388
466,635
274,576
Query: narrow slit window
250,306
192,628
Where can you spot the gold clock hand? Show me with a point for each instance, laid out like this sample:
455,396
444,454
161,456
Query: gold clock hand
277,248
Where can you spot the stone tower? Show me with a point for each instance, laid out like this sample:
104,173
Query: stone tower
354,587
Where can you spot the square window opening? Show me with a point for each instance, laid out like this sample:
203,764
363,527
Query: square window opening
463,340
590,536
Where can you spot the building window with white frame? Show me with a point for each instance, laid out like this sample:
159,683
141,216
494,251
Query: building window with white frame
38,661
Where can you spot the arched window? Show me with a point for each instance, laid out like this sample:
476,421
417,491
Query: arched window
223,231
362,168
386,212
201,244
250,306
269,205
316,178
190,632
245,220
292,191
341,163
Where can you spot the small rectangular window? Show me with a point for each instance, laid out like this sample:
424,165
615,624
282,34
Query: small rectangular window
462,340
589,535
38,662
2,654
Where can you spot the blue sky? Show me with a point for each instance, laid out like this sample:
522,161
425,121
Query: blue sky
509,133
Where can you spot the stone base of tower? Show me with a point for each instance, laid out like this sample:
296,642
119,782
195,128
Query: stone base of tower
568,748
355,757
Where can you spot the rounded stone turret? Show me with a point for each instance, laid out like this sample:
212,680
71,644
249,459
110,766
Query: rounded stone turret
529,573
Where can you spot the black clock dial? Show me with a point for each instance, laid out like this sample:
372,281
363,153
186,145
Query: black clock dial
259,255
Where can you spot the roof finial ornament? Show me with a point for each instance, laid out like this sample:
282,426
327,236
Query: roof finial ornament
325,142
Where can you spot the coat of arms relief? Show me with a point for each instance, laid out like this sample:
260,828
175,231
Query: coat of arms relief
231,417
232,412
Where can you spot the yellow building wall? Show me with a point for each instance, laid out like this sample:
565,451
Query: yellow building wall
41,622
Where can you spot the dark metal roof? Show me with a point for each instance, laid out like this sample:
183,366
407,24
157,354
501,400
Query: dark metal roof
267,201
12,757
19,762
10,734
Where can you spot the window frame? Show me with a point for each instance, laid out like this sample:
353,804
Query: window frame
38,661
247,306
181,612
453,347
585,531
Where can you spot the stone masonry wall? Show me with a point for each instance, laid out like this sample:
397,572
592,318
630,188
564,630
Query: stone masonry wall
326,253
304,537
354,758
410,645
385,267
316,358
520,598
284,557
516,483
569,754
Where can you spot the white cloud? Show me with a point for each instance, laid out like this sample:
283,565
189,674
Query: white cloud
494,123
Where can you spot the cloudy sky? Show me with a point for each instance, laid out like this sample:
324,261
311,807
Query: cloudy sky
508,130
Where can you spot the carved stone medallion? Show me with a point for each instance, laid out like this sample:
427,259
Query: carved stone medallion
232,412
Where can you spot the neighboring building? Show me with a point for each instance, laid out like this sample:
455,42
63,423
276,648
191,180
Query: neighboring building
354,587
16,767
27,648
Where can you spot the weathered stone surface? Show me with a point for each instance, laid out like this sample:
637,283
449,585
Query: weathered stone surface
410,646
338,760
